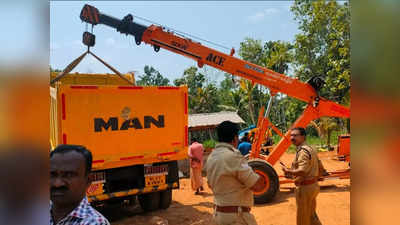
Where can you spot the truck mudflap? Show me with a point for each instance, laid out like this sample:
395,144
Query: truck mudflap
119,194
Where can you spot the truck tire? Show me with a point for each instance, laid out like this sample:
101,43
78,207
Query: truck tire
150,201
271,187
165,199
247,157
131,201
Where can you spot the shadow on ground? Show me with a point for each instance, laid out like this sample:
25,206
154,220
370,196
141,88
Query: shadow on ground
288,192
177,213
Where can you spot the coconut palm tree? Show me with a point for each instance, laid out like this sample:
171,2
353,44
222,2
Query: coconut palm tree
324,127
248,88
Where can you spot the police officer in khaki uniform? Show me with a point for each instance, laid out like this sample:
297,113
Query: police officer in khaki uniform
231,179
305,171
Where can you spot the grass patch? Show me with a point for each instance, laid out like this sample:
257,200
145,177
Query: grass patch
320,144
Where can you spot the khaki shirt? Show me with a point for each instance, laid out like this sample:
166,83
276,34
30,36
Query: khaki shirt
230,177
307,160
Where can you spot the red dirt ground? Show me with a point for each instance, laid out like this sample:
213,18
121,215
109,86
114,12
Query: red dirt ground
333,203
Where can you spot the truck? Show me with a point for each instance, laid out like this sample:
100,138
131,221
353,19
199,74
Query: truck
136,135
159,37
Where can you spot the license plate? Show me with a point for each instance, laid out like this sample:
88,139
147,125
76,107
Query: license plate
154,180
155,175
155,170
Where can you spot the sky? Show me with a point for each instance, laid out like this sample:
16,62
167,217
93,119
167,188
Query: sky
24,36
226,22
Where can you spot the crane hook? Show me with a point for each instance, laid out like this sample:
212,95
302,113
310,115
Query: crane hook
156,48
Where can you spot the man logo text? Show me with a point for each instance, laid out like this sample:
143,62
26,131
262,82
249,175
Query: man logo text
112,123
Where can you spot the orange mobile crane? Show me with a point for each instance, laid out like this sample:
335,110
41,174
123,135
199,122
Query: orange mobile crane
317,106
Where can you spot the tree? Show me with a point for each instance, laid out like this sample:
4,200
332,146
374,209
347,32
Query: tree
194,80
325,126
278,56
274,55
225,91
248,88
152,77
293,109
323,46
252,51
206,100
55,70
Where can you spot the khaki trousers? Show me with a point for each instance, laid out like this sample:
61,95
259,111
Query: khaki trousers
241,218
306,201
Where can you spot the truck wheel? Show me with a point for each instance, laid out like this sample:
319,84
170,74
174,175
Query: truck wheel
131,200
165,199
150,201
271,181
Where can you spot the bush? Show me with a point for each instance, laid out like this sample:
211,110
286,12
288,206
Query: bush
210,143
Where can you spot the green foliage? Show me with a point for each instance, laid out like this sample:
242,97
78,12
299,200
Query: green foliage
278,56
314,141
225,93
210,143
152,77
248,88
205,100
192,78
323,46
203,95
55,70
325,126
252,51
274,55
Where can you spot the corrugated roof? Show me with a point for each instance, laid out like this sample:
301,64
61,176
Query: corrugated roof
213,119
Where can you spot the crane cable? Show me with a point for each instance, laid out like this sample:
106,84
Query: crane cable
183,34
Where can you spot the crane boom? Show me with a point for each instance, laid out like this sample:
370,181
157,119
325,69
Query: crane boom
158,37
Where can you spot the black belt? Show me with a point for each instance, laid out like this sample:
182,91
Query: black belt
231,209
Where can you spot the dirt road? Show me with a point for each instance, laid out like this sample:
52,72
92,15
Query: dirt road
333,204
